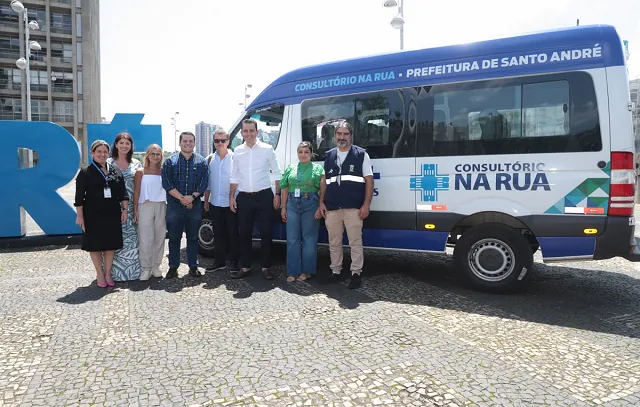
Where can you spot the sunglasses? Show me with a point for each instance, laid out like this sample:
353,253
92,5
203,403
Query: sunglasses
219,140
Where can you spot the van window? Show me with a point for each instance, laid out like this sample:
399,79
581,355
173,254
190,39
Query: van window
545,109
379,121
269,124
478,114
542,114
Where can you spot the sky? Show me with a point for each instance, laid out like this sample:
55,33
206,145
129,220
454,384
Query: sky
195,57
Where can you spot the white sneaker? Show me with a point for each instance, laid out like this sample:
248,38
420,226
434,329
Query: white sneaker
145,275
156,272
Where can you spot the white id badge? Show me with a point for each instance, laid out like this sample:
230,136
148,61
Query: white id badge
107,192
296,193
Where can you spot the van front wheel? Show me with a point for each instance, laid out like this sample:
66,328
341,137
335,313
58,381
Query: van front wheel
493,257
206,247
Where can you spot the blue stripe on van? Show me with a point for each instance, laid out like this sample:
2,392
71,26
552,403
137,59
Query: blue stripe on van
567,246
398,239
384,238
561,246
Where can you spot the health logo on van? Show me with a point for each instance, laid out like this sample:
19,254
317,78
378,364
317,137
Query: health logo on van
430,182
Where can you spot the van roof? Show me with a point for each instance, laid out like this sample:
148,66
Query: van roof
524,54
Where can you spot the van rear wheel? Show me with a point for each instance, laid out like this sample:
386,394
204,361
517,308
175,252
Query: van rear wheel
493,257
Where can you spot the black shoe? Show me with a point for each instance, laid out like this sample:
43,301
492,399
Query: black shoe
240,273
335,278
233,265
194,272
173,273
216,267
356,281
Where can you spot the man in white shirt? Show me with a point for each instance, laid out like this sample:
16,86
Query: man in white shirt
253,162
216,204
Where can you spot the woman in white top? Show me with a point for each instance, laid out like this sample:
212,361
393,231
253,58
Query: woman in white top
150,206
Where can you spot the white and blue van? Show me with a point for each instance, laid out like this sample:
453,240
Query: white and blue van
499,148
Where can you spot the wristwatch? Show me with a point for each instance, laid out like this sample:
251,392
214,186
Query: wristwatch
194,196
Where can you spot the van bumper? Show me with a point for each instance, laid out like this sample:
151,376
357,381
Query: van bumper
618,240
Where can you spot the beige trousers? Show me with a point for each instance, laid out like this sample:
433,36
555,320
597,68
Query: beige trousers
152,229
336,222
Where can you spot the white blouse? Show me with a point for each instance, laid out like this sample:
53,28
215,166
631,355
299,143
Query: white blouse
151,189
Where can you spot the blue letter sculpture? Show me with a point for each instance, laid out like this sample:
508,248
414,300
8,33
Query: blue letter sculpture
35,189
143,134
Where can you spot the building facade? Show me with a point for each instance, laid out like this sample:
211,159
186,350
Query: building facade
204,138
64,74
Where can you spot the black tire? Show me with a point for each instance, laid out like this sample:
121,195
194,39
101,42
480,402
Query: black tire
493,257
205,238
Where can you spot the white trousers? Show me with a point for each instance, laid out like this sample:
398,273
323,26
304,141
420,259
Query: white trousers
152,229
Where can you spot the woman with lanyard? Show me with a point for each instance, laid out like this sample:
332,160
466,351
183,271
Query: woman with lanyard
101,201
300,186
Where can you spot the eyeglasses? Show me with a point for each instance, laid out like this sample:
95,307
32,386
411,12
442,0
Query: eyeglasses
155,154
219,140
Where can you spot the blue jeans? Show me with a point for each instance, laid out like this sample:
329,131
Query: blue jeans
181,219
302,234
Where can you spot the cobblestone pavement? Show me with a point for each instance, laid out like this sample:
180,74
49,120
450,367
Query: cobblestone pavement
413,335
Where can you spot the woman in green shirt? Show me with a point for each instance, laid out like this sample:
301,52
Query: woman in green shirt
301,185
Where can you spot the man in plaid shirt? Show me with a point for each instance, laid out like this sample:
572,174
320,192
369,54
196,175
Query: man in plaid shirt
185,177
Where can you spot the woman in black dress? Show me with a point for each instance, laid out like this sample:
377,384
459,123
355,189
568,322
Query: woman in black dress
102,203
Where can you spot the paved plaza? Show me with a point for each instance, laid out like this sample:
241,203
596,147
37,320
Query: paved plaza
413,335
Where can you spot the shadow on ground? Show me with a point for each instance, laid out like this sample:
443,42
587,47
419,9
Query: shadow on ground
574,297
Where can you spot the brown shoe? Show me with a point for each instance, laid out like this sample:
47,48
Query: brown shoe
266,273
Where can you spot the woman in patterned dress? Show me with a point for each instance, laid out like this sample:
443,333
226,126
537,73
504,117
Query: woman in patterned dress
126,261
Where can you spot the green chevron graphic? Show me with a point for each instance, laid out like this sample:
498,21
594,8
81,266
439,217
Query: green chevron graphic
591,193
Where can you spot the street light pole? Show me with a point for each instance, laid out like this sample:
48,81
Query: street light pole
246,95
175,131
26,69
398,21
401,13
23,63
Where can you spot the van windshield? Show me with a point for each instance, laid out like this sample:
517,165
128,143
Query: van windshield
269,121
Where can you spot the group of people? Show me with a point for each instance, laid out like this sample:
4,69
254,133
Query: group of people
121,207
125,208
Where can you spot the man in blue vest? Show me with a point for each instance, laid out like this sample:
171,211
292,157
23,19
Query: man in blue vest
346,201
